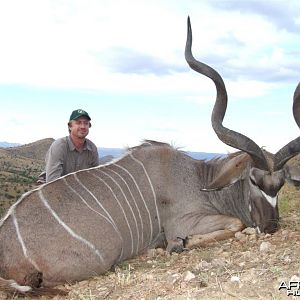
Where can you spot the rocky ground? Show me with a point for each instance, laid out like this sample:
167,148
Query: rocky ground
248,266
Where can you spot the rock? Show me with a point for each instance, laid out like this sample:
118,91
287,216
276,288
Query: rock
173,278
240,236
160,251
252,237
155,252
151,253
295,278
219,251
218,262
265,247
287,259
203,265
235,279
247,254
150,262
188,276
285,233
225,254
249,231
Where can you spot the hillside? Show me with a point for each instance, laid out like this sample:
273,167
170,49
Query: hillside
35,150
19,169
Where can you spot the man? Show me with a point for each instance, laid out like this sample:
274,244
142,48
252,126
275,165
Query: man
74,152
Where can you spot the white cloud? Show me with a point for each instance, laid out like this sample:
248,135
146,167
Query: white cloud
66,45
56,43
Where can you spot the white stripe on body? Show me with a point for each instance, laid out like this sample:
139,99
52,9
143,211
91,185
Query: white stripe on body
153,192
104,217
143,199
135,221
97,201
20,239
68,229
136,206
116,198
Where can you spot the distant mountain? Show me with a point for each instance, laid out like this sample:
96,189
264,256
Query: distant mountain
117,152
204,155
38,149
7,144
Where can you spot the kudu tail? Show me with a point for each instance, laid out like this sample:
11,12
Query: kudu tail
12,287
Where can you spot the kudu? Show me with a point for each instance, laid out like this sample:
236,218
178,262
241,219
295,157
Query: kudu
82,224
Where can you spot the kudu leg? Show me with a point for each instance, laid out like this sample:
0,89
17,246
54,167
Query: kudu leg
220,227
199,230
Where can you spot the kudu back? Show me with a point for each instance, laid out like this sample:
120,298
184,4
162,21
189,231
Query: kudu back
82,224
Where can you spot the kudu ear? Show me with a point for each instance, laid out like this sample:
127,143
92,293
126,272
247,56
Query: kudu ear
292,175
230,172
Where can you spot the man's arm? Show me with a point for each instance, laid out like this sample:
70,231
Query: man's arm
54,162
95,161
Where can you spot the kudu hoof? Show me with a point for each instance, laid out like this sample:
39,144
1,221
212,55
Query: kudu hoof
177,246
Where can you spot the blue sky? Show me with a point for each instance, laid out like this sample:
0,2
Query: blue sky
123,62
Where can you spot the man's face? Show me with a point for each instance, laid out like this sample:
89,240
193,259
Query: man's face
80,127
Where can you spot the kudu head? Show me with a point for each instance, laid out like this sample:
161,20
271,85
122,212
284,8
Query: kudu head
264,173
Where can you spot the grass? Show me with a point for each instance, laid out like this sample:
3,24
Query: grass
276,270
289,204
87,295
289,197
125,275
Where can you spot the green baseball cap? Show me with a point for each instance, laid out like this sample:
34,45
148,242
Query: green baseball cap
79,113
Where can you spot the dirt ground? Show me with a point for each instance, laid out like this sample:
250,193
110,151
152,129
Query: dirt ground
248,266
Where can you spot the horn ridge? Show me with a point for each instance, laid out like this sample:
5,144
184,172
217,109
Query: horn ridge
229,137
292,148
296,105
